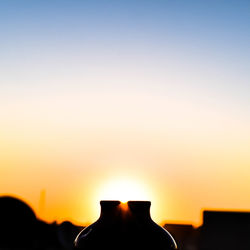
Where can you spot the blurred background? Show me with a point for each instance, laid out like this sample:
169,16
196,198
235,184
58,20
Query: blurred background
125,100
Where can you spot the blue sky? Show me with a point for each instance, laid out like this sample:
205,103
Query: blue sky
211,35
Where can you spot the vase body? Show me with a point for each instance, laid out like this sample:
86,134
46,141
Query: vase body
125,226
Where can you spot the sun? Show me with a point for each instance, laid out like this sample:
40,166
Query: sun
124,190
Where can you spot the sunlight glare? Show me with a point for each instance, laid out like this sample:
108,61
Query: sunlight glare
124,190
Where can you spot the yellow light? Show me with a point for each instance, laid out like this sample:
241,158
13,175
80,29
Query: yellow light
123,190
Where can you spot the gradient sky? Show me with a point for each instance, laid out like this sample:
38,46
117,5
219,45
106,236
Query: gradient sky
153,92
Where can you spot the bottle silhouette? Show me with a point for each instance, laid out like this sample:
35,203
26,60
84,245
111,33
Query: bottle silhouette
125,226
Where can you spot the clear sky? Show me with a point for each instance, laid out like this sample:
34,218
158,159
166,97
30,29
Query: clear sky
151,93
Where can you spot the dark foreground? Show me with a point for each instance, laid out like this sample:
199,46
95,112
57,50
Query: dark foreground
20,229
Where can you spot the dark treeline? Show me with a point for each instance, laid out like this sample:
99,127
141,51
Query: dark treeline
20,228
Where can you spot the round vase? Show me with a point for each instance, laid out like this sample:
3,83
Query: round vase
125,226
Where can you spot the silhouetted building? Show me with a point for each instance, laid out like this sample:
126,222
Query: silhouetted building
225,231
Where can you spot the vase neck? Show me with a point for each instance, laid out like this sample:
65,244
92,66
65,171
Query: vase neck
109,208
140,209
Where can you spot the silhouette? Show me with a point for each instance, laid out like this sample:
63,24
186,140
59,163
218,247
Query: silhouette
128,228
186,236
221,230
20,229
67,233
225,230
17,223
125,226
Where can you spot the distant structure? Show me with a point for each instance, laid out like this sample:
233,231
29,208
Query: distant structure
220,230
42,202
225,230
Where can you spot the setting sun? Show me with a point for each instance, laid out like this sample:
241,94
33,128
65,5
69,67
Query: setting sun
124,190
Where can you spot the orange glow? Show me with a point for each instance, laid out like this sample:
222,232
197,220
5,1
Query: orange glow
134,155
123,190
124,206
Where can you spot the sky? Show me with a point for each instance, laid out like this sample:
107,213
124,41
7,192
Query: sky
147,96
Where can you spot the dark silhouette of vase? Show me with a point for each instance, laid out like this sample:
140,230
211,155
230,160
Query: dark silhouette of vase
125,226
